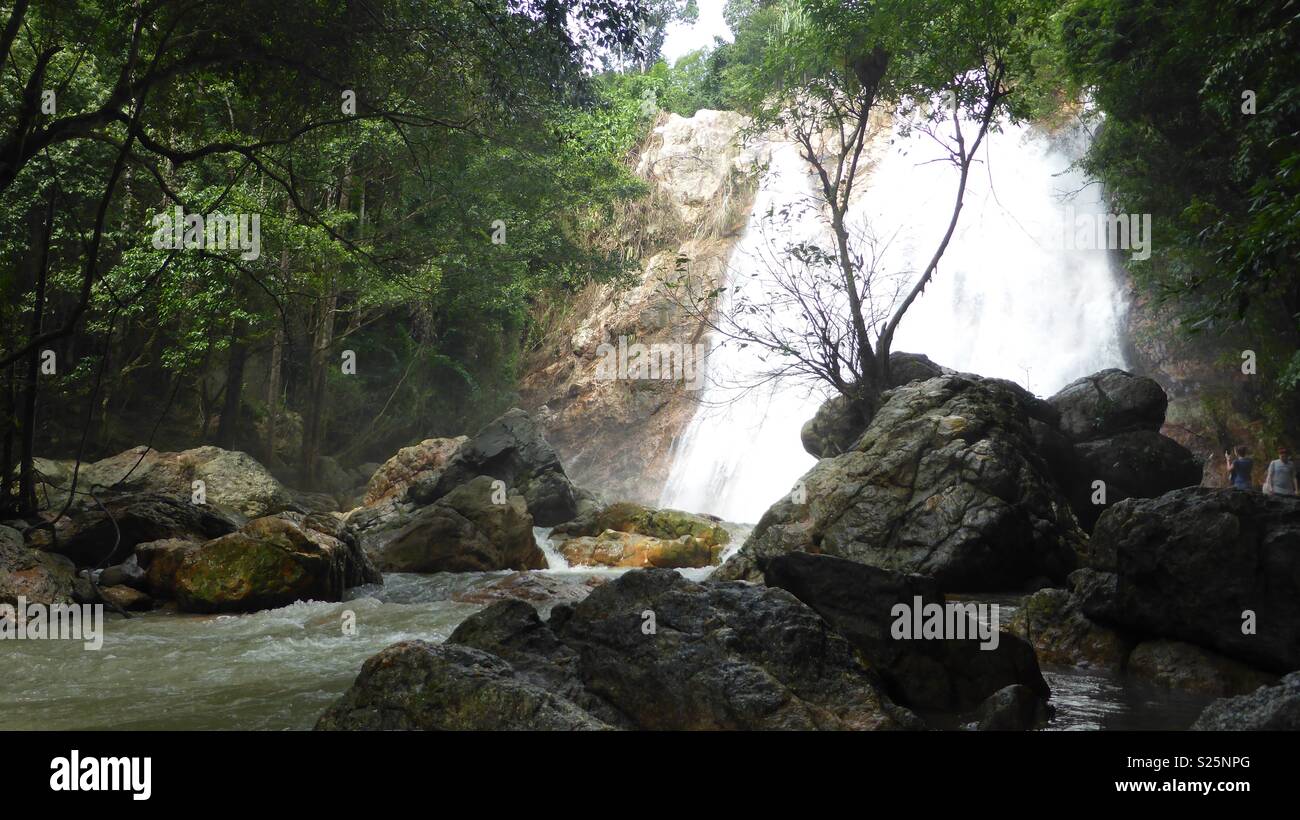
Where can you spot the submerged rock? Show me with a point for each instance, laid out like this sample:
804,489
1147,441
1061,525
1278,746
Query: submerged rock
946,481
858,601
648,650
1217,568
465,531
1269,708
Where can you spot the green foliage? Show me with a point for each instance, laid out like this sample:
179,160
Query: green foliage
1175,81
378,225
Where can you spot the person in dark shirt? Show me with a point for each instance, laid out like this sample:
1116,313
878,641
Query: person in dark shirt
1239,467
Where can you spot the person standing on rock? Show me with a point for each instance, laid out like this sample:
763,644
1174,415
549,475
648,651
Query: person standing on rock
1239,468
1281,476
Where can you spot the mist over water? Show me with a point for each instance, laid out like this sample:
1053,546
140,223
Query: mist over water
1011,299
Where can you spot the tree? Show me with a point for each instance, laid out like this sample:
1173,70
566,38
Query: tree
118,112
952,70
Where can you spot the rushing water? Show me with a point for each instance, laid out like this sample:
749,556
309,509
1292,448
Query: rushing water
280,669
1011,298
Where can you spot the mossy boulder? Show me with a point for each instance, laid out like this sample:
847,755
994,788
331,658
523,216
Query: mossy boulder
242,572
270,562
628,517
613,548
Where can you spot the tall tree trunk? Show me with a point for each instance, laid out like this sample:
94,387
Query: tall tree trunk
40,230
312,428
273,388
228,425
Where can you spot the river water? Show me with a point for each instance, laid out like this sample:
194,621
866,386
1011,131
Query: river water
280,669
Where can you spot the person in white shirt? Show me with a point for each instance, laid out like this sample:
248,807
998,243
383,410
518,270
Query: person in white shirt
1281,476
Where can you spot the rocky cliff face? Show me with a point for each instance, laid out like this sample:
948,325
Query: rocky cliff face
616,435
1213,405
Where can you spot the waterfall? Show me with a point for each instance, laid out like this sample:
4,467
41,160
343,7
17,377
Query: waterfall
1010,299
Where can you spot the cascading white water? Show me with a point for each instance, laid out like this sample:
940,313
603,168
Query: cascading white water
1010,299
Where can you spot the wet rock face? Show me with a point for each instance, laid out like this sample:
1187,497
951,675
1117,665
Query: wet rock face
859,602
465,531
946,482
1196,564
1269,708
649,650
1109,402
512,449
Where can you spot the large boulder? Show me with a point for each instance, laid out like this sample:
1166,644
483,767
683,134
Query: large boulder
1269,708
1214,567
272,562
510,448
108,534
837,424
232,480
648,650
1135,464
419,461
948,673
721,656
476,527
1109,402
945,482
38,577
419,685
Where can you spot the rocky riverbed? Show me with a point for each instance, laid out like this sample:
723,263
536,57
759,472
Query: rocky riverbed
475,586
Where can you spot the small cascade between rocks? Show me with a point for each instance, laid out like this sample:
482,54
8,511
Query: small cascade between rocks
1012,298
